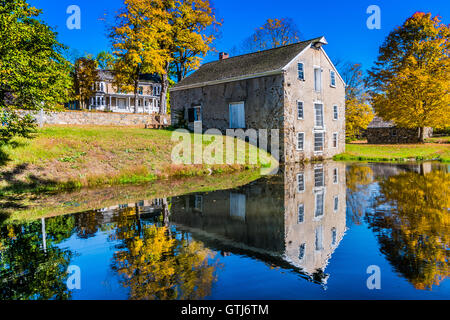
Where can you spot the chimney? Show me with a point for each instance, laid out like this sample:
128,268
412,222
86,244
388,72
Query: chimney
223,56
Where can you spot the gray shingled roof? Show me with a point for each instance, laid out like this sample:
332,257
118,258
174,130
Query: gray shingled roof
248,64
377,122
147,77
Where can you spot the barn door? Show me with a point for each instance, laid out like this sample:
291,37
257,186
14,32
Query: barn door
237,115
238,205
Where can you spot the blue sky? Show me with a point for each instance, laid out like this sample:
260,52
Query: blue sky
343,23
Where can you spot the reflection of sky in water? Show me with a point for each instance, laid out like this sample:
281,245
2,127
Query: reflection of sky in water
94,256
246,265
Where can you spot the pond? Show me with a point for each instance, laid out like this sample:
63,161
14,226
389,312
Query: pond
317,231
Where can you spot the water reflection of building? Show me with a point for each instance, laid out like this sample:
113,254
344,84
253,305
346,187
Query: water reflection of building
315,203
250,216
294,220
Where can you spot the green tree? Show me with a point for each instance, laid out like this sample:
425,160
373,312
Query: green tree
85,75
33,71
27,270
409,83
105,60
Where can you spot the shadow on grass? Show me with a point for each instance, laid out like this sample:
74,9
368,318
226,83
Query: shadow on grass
13,194
4,158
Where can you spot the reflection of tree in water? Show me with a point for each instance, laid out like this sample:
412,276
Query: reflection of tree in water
27,270
159,265
414,229
358,178
87,224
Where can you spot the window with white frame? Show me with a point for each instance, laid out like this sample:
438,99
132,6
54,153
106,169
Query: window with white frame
318,115
335,113
318,79
335,140
300,114
333,236
335,175
301,182
156,90
319,204
198,202
336,203
318,141
319,238
333,78
301,71
319,177
300,141
301,213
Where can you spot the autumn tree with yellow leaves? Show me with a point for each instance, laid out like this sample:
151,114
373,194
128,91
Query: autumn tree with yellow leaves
85,75
409,83
159,266
358,112
411,221
195,24
358,178
153,35
135,47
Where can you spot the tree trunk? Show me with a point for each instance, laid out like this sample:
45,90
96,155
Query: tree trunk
135,102
422,134
164,89
136,88
179,72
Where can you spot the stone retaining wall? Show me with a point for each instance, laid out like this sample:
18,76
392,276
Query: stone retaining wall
395,135
98,118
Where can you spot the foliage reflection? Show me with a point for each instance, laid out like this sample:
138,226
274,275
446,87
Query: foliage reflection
411,220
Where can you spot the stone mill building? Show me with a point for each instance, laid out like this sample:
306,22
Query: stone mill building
295,89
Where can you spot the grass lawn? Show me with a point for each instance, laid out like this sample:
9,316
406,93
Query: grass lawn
65,158
445,140
404,152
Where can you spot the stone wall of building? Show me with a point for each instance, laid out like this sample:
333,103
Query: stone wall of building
311,238
271,103
395,135
98,118
297,90
250,216
262,97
